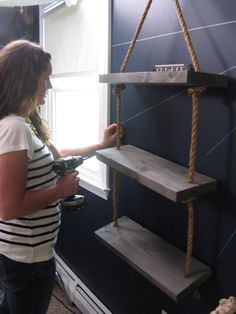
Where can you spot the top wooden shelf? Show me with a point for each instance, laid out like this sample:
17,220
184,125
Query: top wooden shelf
185,78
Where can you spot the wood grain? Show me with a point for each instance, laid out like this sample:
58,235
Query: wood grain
156,173
186,78
156,259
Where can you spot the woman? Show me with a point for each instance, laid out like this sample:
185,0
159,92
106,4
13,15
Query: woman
29,190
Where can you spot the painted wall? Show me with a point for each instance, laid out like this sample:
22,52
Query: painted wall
158,119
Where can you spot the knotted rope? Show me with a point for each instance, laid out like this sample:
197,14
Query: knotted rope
188,258
120,87
117,92
194,92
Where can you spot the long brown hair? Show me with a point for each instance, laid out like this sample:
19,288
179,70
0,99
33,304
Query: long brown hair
21,65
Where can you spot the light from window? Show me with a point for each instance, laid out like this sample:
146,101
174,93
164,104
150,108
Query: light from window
77,106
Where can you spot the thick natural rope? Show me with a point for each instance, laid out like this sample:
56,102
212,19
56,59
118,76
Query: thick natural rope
115,198
188,259
187,38
136,34
194,92
117,91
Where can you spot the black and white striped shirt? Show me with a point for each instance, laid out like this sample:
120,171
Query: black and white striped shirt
30,238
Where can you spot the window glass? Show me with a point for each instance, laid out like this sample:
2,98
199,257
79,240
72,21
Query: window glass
77,107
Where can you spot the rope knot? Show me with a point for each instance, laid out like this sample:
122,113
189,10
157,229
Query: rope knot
118,89
197,90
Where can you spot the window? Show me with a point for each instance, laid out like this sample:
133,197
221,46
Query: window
77,107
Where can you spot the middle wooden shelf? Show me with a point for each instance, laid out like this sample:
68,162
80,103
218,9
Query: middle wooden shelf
158,174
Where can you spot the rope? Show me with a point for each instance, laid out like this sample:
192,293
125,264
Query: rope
115,199
136,34
187,38
117,92
188,259
194,92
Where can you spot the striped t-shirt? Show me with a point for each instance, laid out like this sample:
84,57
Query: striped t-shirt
30,238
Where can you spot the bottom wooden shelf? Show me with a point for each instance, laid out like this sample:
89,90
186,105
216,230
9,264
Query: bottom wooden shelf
156,259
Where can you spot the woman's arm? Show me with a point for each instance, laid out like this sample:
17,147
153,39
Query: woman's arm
109,137
16,201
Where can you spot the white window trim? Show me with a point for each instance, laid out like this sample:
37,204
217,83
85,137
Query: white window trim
46,111
48,9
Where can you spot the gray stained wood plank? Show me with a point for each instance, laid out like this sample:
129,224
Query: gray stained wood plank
156,173
156,259
186,78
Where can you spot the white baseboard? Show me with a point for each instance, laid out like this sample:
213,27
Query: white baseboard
77,292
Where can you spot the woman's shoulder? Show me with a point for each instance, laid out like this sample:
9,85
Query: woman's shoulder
15,135
14,128
13,122
12,118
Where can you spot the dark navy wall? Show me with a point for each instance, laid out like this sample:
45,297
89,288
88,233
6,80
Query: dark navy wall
158,119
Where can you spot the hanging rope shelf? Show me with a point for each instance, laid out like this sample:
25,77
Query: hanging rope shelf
195,184
194,92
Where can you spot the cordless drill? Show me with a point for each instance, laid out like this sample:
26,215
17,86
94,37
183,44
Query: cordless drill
62,166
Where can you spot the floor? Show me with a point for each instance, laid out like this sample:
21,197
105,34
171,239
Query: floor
59,303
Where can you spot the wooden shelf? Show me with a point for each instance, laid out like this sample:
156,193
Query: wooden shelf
187,78
156,173
157,260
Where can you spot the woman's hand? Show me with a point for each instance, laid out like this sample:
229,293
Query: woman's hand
110,134
68,184
109,137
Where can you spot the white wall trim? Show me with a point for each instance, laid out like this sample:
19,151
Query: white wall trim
77,292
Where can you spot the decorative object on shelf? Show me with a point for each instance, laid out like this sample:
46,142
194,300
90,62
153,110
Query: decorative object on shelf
172,67
226,306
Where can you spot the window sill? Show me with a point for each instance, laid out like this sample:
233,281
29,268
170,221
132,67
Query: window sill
99,191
